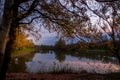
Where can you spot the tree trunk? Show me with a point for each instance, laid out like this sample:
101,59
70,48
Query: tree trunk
116,43
9,48
117,53
3,40
9,23
4,29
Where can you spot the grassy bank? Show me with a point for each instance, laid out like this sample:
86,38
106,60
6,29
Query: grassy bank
22,52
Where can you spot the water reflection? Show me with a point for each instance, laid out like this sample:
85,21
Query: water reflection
74,62
18,64
60,56
56,62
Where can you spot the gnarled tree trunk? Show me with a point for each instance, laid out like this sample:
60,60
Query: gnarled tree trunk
5,36
9,48
4,29
3,40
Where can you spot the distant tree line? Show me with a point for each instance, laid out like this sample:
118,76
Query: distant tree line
61,45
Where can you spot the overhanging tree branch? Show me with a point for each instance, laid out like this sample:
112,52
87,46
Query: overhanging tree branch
33,5
107,0
31,20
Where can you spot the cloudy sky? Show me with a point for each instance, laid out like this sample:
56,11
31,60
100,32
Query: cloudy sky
47,38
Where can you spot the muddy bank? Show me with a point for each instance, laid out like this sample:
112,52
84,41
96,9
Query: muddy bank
80,76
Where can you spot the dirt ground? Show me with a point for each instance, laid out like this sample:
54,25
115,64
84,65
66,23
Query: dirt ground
81,76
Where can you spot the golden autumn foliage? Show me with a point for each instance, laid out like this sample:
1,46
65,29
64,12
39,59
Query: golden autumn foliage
21,40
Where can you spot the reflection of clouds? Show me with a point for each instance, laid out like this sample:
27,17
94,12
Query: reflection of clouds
83,59
47,63
71,58
16,60
43,57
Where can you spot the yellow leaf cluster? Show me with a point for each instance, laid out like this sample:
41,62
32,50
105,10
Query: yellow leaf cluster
21,40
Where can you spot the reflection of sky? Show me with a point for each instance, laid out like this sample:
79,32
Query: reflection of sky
44,57
47,62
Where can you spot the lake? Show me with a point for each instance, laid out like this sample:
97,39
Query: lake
49,62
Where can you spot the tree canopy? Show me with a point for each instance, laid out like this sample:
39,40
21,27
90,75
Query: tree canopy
71,18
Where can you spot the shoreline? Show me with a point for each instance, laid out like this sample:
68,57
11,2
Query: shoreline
47,76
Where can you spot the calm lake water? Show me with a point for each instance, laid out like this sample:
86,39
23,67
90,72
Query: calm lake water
69,62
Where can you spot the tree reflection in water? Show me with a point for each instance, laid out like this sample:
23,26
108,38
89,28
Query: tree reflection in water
66,61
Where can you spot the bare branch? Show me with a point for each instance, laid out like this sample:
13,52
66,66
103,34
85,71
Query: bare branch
21,1
31,20
107,0
22,8
33,5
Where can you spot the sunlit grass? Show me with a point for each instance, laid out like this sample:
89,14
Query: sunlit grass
22,52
